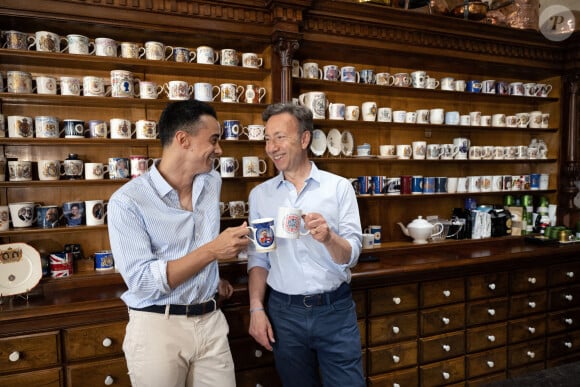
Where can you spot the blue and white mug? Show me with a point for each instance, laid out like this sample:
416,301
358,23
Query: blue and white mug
231,130
262,234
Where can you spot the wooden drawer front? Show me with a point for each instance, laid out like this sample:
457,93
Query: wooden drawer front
442,347
362,328
530,328
486,380
486,312
395,327
30,351
443,373
448,291
94,340
488,362
563,345
393,299
445,319
45,378
564,321
527,280
266,376
249,354
486,337
391,357
238,320
524,304
526,370
360,300
567,273
110,372
487,286
564,298
526,353
406,378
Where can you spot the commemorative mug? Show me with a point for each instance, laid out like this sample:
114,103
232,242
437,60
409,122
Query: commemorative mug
433,151
149,90
139,165
330,73
384,79
152,50
19,82
19,170
419,150
352,113
227,166
122,84
404,151
179,54
74,213
230,92
418,79
436,116
4,218
238,208
262,234
16,40
349,74
463,145
254,94
369,111
376,231
447,83
310,70
145,130
74,128
535,119
473,86
449,151
46,127
251,60
252,166
488,86
422,116
428,185
288,223
231,130
46,41
336,111
129,50
120,128
105,47
70,86
206,55
367,76
93,86
384,114
46,85
431,83
47,216
119,168
20,126
178,90
316,101
402,80
22,214
48,169
254,132
204,91
95,171
229,57
79,45
452,118
103,259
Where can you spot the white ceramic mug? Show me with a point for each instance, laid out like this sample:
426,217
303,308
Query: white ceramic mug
254,132
251,60
46,85
369,111
22,214
4,218
352,113
48,169
152,50
19,170
230,92
263,235
203,91
122,84
149,90
177,90
288,223
253,166
139,165
227,166
20,127
316,101
95,171
206,55
120,128
105,47
46,127
146,129
95,212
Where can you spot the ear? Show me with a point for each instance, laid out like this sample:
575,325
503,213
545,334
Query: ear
182,139
305,140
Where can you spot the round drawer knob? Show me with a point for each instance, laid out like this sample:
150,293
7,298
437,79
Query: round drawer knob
531,354
14,356
569,297
568,344
107,342
491,286
396,359
447,293
570,274
109,380
396,385
446,347
397,300
491,338
490,364
445,320
396,330
568,321
446,375
258,353
532,280
532,304
491,312
532,330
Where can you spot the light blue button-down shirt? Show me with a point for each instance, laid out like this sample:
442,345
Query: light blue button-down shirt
148,228
304,265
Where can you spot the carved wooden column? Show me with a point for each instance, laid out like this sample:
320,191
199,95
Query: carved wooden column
285,48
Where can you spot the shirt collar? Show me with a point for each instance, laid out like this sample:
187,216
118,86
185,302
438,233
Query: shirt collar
163,187
314,175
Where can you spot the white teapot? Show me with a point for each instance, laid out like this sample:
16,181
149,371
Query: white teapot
421,230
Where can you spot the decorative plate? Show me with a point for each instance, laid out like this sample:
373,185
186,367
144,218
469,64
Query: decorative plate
347,143
20,268
318,145
334,142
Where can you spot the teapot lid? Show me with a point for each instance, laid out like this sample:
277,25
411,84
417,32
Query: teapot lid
420,222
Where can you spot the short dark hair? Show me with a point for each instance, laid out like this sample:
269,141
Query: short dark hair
182,115
301,113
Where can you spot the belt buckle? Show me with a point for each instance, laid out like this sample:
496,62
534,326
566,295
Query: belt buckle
305,300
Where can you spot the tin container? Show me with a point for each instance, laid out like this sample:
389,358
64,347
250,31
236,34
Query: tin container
104,260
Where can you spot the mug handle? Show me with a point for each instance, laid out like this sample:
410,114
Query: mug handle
217,94
260,163
240,91
168,52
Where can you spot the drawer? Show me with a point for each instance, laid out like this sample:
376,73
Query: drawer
486,380
564,321
564,298
527,280
525,329
362,328
487,311
249,354
526,353
525,370
45,378
448,291
393,299
488,362
238,320
487,286
486,337
20,353
110,372
443,373
445,319
564,344
360,300
392,328
564,274
392,357
529,303
406,378
94,341
264,376
441,347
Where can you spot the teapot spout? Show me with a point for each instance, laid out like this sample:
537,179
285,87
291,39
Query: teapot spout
404,229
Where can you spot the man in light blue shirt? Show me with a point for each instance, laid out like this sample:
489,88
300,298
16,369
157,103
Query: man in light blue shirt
309,318
164,229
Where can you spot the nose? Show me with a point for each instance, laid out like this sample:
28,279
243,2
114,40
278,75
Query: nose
218,149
